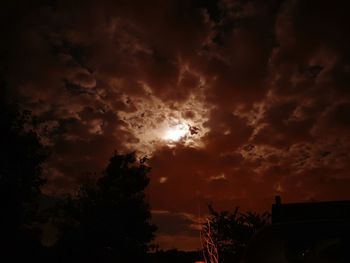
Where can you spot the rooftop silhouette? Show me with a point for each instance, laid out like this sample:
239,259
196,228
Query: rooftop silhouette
329,210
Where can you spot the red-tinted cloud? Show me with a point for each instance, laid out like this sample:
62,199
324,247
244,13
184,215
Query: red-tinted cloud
262,84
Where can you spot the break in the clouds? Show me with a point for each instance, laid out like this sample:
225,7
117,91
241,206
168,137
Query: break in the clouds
234,101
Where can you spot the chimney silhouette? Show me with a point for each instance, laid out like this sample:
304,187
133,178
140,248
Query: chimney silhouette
278,200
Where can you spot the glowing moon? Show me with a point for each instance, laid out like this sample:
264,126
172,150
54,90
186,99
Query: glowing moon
156,124
175,133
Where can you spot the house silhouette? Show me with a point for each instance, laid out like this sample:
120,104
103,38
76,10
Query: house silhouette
294,212
312,232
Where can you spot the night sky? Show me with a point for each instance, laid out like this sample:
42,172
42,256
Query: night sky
232,101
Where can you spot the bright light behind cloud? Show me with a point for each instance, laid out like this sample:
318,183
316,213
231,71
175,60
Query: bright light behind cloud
175,133
154,123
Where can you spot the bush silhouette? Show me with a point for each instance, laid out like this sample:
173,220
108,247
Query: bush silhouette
231,231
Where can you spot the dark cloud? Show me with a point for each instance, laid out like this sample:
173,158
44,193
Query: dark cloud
175,223
261,86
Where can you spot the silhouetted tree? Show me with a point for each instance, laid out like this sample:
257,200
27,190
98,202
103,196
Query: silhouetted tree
110,221
231,231
21,159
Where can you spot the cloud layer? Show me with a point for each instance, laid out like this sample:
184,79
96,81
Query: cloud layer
263,84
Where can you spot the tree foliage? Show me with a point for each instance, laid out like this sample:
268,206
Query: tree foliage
21,159
231,231
110,220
